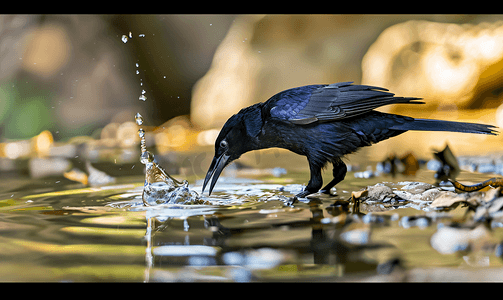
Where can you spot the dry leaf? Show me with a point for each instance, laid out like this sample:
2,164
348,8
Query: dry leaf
76,175
355,198
447,199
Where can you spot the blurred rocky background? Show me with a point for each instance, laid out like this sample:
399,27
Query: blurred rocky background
73,80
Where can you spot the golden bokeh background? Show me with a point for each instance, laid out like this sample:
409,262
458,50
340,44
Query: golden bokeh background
68,80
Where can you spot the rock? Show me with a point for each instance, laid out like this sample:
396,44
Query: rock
360,236
379,192
411,221
365,174
44,167
486,168
448,240
434,165
417,187
489,210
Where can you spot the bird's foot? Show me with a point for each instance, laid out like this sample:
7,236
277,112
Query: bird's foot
327,192
292,200
295,198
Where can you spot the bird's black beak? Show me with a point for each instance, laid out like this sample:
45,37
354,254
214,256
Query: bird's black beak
216,167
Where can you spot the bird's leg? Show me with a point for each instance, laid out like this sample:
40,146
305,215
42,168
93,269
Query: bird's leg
314,184
339,173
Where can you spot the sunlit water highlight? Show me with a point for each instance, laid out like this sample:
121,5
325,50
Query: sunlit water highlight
243,232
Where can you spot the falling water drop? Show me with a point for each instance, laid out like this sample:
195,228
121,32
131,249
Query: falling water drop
124,38
143,98
139,119
146,157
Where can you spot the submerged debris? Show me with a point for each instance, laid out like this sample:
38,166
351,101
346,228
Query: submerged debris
493,182
93,177
487,206
445,165
407,165
355,199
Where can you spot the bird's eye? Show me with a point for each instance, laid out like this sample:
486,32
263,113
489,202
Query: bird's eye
224,144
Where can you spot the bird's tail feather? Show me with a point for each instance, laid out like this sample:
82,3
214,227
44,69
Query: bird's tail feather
440,125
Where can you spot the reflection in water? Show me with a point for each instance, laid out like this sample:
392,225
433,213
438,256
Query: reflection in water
107,234
253,237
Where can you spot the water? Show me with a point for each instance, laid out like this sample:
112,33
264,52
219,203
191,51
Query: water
245,232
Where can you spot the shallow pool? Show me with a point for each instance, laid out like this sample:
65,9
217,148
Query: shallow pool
57,230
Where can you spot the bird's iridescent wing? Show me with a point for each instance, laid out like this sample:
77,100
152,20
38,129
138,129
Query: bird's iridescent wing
337,101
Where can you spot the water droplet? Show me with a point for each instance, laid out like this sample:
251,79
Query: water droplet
143,92
138,118
124,38
137,72
130,35
137,65
143,98
142,35
146,157
141,132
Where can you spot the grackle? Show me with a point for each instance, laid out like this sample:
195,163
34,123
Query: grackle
324,123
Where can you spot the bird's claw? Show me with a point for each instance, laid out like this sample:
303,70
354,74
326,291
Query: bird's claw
327,192
292,200
295,198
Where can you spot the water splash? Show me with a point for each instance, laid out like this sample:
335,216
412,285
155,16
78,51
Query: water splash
160,187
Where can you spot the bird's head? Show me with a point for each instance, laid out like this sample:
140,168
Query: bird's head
238,136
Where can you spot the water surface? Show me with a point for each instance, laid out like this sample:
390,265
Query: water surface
57,230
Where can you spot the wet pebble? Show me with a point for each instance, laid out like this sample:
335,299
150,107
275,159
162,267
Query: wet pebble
292,188
448,240
371,218
277,172
433,165
498,251
389,266
364,174
43,167
482,164
419,195
413,221
489,210
379,192
356,236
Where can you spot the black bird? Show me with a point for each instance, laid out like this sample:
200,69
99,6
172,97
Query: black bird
324,123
